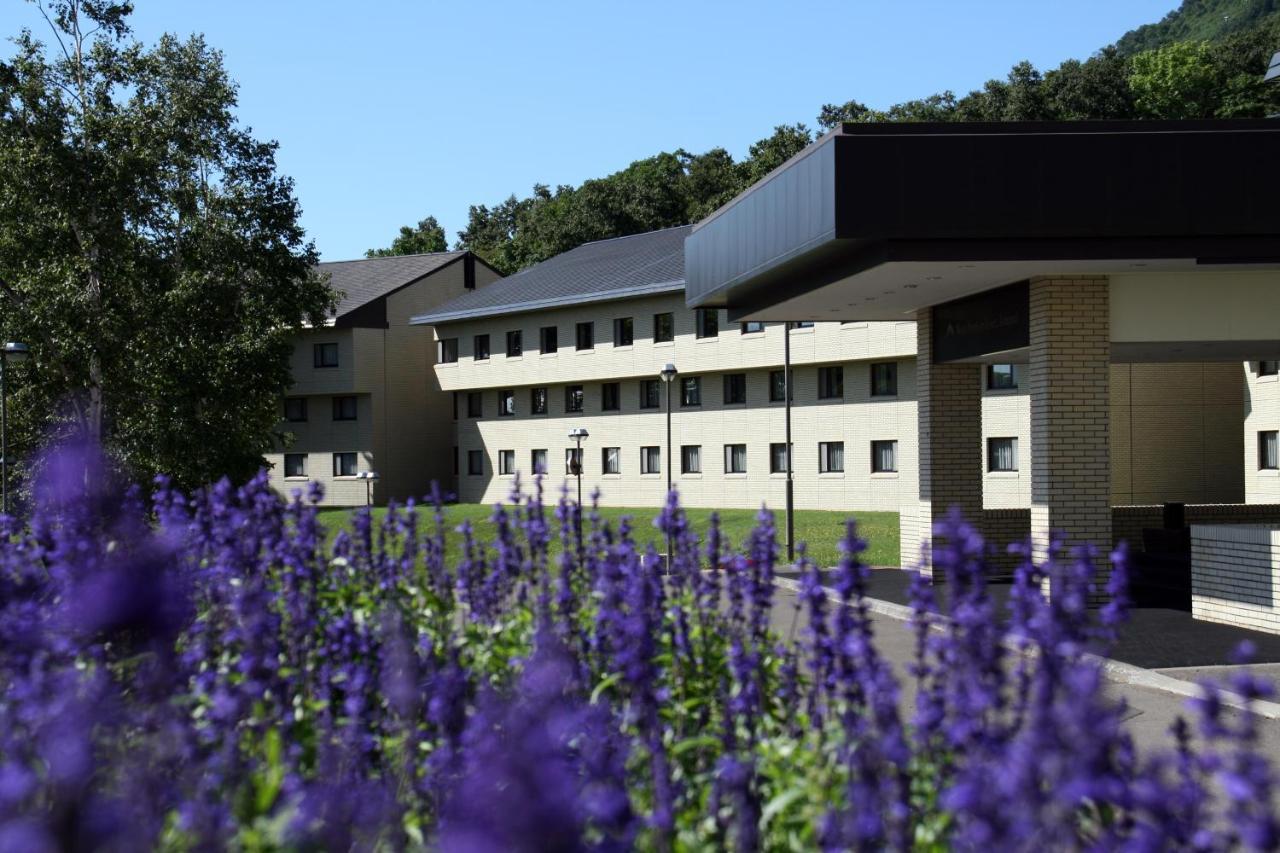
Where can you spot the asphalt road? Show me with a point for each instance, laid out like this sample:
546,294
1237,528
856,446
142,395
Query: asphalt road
1150,712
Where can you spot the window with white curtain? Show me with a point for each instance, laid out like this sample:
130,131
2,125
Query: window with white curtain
691,459
650,460
830,457
1269,450
1002,454
735,459
884,457
611,460
538,460
506,461
777,458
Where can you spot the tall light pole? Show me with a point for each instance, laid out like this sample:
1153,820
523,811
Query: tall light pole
786,397
369,477
668,375
578,434
10,352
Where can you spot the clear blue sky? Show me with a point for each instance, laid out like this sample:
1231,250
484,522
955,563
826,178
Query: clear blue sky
389,111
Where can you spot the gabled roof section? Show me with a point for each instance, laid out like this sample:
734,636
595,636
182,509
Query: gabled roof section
360,282
637,265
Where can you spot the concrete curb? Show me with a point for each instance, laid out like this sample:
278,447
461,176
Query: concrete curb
1115,671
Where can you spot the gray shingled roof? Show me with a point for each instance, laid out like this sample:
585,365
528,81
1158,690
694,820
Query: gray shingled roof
594,272
364,280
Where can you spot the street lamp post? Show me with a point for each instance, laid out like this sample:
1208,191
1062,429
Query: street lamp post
578,434
10,352
668,375
786,396
369,477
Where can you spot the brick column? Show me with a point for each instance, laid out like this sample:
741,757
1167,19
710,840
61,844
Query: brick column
949,412
1070,444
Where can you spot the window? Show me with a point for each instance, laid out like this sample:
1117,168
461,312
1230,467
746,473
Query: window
1269,450
295,409
538,460
735,388
586,335
830,383
752,326
706,322
664,328
691,459
611,460
325,355
573,398
344,464
802,324
623,332
447,351
778,386
475,404
295,464
573,460
1000,377
344,408
830,457
611,396
506,461
480,347
515,344
650,393
735,459
777,458
506,402
884,457
538,401
548,339
1002,454
650,460
884,379
455,460
691,391
475,462
1268,368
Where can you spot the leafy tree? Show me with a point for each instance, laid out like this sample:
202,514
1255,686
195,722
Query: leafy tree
771,152
149,251
1199,20
1180,80
424,239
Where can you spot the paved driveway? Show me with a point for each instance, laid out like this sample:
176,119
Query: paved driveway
1151,712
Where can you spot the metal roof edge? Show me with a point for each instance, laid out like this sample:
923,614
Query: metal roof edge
442,317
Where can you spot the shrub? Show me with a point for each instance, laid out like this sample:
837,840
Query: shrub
200,672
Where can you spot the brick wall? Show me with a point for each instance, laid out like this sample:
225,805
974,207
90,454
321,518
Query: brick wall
1070,380
1262,412
1235,576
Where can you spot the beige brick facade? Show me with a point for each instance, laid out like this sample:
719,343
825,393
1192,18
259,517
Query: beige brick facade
1235,576
1262,414
402,428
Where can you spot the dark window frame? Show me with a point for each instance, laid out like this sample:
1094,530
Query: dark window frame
506,462
473,469
575,393
735,389
320,355
648,454
690,383
447,351
753,327
340,458
290,417
1273,437
1269,368
295,456
610,396
824,457
997,382
646,384
706,323
684,459
584,336
507,403
515,343
779,394
475,404
533,460
664,327
549,340
538,397
604,460
874,460
480,350
888,388
340,407
729,451
624,332
776,467
829,389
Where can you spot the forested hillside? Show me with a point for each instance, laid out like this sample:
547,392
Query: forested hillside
1204,60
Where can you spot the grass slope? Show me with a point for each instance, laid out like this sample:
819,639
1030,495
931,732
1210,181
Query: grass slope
821,529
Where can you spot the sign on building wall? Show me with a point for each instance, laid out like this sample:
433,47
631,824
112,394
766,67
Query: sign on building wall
989,322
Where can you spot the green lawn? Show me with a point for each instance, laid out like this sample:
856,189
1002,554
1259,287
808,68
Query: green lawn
821,529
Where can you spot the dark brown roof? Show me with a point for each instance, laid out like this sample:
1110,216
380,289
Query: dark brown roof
361,281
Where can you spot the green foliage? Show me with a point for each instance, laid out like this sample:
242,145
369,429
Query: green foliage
1177,81
1200,20
149,252
427,237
